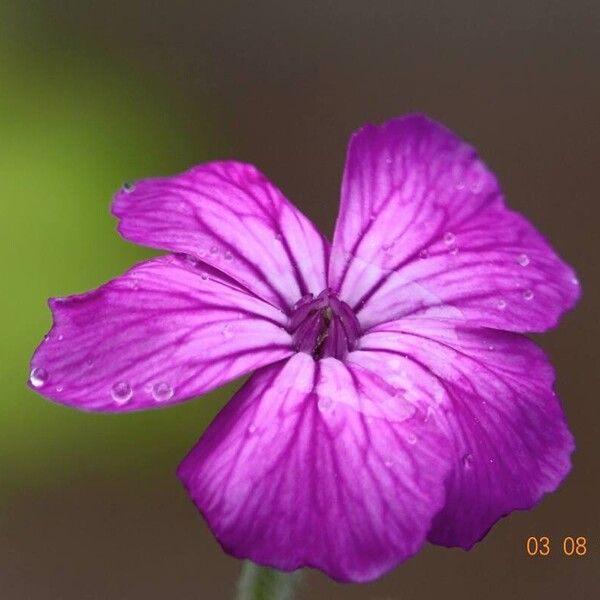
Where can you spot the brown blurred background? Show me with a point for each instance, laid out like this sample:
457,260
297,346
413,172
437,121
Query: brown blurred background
92,94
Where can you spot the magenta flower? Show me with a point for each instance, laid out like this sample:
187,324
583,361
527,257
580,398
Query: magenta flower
394,399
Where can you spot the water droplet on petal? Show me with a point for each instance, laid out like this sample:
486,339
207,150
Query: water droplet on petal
523,260
121,392
204,276
501,304
430,413
228,255
388,160
59,388
491,460
388,463
324,404
449,238
476,183
423,253
213,250
128,187
251,428
453,250
191,260
162,391
467,461
60,338
528,295
411,438
490,347
38,377
226,331
278,237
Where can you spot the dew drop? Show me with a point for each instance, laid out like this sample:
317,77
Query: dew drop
251,428
324,404
501,304
278,237
59,388
476,183
449,238
491,460
226,331
528,295
523,260
388,160
430,413
128,187
454,250
60,338
388,463
228,255
213,250
490,347
38,377
121,392
467,461
162,391
204,276
423,254
191,260
411,438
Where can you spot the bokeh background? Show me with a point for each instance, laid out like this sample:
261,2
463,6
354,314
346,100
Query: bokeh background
92,94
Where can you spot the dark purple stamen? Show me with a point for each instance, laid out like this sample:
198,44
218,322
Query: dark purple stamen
324,326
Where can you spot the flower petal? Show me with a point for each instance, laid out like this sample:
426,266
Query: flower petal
423,223
508,434
287,476
230,216
165,331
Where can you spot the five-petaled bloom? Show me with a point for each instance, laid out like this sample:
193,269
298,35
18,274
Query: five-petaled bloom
393,398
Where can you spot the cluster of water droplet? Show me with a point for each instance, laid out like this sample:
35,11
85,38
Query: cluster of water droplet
121,391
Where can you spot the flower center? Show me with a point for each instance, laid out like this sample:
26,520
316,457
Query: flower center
324,326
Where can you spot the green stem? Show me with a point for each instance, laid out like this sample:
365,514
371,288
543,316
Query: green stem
263,583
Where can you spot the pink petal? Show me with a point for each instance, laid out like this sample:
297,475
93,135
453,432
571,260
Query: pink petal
291,475
493,395
423,223
165,331
230,216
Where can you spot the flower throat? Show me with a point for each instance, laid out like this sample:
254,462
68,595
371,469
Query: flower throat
324,326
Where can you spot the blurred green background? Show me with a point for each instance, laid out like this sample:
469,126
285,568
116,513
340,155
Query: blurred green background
72,129
94,94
